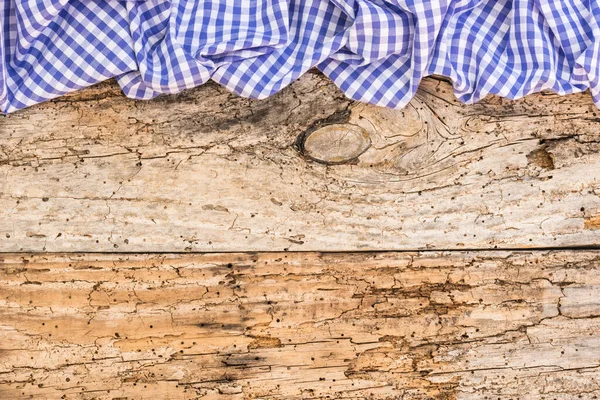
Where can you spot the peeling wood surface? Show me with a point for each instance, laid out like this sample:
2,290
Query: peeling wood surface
209,171
430,325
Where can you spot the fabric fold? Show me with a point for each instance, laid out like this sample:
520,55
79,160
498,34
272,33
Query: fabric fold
180,44
316,30
375,51
51,48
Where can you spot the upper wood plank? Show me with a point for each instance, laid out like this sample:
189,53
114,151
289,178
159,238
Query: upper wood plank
209,171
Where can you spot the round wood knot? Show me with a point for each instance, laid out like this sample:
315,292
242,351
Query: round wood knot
335,144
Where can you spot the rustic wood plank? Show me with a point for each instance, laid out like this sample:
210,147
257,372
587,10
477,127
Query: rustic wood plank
209,171
443,325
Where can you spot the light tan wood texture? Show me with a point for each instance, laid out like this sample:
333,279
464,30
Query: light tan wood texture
205,246
306,170
431,325
426,325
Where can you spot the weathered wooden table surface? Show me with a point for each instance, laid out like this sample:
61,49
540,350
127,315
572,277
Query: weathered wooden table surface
300,247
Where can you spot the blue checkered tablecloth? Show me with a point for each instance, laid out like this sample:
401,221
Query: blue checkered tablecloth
376,51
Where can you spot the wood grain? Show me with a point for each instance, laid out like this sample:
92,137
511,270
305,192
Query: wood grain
206,171
431,325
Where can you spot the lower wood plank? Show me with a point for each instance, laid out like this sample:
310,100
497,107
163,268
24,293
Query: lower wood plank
429,325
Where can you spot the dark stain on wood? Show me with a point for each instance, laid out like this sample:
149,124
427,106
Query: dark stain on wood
542,158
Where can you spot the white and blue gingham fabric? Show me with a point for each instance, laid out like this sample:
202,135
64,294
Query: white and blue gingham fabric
376,51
